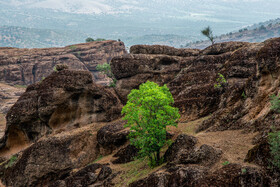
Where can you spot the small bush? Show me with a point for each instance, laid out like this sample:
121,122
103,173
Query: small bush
100,39
275,103
225,163
106,69
220,81
274,142
89,39
11,162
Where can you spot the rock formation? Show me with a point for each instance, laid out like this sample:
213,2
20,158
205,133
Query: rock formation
27,66
64,100
54,115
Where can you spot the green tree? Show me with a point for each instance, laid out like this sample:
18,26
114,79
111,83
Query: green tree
208,33
89,39
148,112
106,69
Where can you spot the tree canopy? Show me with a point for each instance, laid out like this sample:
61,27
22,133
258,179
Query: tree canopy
148,112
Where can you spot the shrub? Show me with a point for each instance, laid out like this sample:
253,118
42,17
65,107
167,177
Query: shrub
148,112
275,103
89,39
274,142
106,69
220,81
100,39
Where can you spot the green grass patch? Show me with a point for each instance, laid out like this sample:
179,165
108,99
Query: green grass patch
98,159
134,171
20,86
73,47
11,162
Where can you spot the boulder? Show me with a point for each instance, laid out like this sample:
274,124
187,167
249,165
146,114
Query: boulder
112,136
53,158
183,143
65,100
125,155
204,156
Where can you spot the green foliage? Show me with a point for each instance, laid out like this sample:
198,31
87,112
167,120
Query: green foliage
274,142
208,33
106,69
73,47
54,69
220,81
244,170
98,158
244,96
89,39
12,160
148,112
100,39
275,103
225,163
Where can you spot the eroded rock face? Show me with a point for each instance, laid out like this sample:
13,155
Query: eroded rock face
163,50
52,158
28,66
251,71
65,100
191,77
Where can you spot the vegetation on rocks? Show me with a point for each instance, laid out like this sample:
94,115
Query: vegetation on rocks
148,112
106,69
274,142
220,81
275,103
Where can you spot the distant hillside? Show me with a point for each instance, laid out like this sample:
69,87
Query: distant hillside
154,39
255,33
22,37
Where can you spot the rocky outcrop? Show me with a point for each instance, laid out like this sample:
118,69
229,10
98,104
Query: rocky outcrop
250,69
163,50
9,95
235,174
65,100
52,158
190,79
28,66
